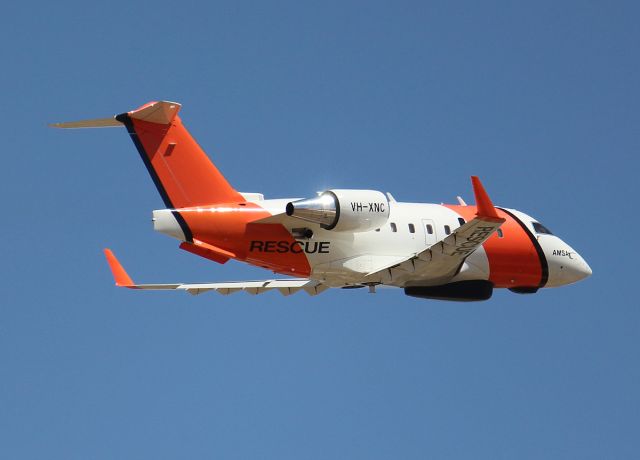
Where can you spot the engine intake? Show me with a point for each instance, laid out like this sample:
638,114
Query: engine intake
343,210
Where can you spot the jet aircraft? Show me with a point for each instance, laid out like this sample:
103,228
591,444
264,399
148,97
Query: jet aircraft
341,238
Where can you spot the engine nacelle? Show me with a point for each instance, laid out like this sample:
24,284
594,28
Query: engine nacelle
343,210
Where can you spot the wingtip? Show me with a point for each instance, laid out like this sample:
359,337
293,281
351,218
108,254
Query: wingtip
483,202
120,275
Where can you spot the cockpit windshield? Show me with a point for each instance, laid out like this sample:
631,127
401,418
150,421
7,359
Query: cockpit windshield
541,229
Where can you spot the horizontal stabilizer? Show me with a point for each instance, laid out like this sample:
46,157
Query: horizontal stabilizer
162,112
94,123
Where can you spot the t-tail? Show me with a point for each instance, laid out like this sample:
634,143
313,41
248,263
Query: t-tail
180,169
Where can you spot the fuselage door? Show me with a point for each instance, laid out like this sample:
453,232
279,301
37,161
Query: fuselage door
429,229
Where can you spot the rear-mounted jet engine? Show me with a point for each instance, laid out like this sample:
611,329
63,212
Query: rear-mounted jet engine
343,210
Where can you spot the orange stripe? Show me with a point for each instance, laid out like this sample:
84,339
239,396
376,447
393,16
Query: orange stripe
513,259
229,228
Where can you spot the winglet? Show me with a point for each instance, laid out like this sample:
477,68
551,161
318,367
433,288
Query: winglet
483,202
119,274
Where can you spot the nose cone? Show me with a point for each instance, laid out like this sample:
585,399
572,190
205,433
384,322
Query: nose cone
576,269
585,270
566,266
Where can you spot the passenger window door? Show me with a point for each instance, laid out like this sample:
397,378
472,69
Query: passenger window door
429,231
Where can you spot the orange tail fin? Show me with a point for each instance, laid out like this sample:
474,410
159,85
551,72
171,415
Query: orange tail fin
180,169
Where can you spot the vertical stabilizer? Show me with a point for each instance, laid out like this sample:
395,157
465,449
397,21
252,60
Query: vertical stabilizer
180,169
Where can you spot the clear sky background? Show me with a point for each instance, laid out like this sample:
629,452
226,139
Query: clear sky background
541,100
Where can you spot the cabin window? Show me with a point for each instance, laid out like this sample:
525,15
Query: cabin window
447,230
499,232
541,229
461,221
412,228
430,229
393,227
377,229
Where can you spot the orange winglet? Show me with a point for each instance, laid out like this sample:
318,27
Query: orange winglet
483,202
119,274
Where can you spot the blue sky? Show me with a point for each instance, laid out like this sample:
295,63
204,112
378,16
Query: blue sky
541,101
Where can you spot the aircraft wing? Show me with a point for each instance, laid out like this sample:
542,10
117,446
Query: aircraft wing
284,286
443,260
